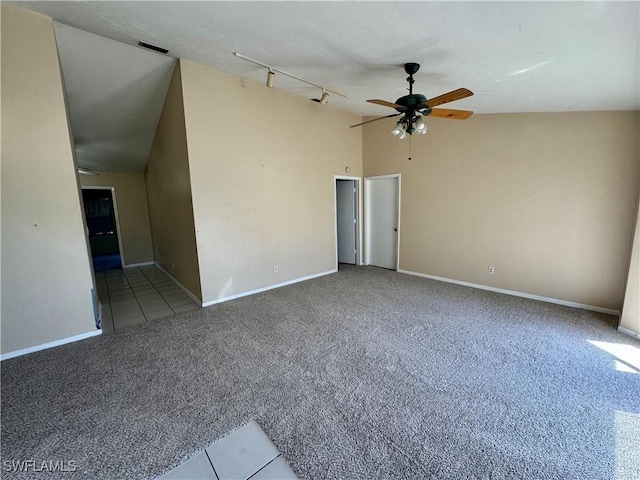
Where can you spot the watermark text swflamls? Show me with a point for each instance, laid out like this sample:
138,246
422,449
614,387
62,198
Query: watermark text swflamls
39,466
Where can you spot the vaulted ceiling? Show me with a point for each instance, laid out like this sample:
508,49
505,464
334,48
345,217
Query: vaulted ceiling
115,94
515,56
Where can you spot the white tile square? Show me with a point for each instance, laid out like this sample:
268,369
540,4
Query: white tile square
141,291
148,300
185,308
196,468
177,295
127,320
107,324
169,290
150,316
155,307
124,308
121,297
119,289
278,469
242,453
176,302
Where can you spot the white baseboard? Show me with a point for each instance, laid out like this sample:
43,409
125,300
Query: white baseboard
134,265
182,287
270,287
557,301
631,333
44,346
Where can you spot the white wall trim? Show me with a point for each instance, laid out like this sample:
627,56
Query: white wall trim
557,301
387,175
44,346
631,333
142,264
182,287
270,287
359,221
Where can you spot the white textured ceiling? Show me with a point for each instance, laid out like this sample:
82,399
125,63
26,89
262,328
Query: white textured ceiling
515,56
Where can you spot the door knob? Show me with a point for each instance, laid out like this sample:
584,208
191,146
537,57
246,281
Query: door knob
395,229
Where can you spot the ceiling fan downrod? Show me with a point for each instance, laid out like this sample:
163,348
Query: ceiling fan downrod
411,68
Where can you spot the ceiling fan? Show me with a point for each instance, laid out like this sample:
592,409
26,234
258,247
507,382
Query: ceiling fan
415,106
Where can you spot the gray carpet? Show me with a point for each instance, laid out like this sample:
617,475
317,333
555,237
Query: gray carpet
365,373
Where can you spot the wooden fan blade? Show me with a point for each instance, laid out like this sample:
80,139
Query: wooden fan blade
448,97
384,103
376,119
448,113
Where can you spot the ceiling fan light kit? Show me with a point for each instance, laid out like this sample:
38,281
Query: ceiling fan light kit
415,106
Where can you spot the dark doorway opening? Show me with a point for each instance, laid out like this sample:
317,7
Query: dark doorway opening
103,232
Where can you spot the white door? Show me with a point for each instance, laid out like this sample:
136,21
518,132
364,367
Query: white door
346,220
382,215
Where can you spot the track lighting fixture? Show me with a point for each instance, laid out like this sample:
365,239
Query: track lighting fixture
325,97
271,78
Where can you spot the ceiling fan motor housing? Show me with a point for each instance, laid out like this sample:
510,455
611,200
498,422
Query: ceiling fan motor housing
411,102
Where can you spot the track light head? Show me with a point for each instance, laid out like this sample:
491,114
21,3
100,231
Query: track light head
270,78
324,99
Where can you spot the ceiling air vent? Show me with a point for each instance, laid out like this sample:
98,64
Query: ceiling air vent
153,47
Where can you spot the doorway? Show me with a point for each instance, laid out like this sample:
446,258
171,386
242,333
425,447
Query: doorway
382,224
348,214
102,226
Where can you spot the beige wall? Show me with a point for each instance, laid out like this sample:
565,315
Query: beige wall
133,213
262,168
46,275
630,318
549,200
169,193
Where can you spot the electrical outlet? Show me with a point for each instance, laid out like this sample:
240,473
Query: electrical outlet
491,270
275,269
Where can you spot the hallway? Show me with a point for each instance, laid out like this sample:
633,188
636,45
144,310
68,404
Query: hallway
137,295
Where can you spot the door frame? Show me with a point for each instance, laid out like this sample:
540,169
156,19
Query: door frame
358,215
367,203
115,213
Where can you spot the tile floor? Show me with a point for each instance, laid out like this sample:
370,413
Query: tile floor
136,295
246,454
